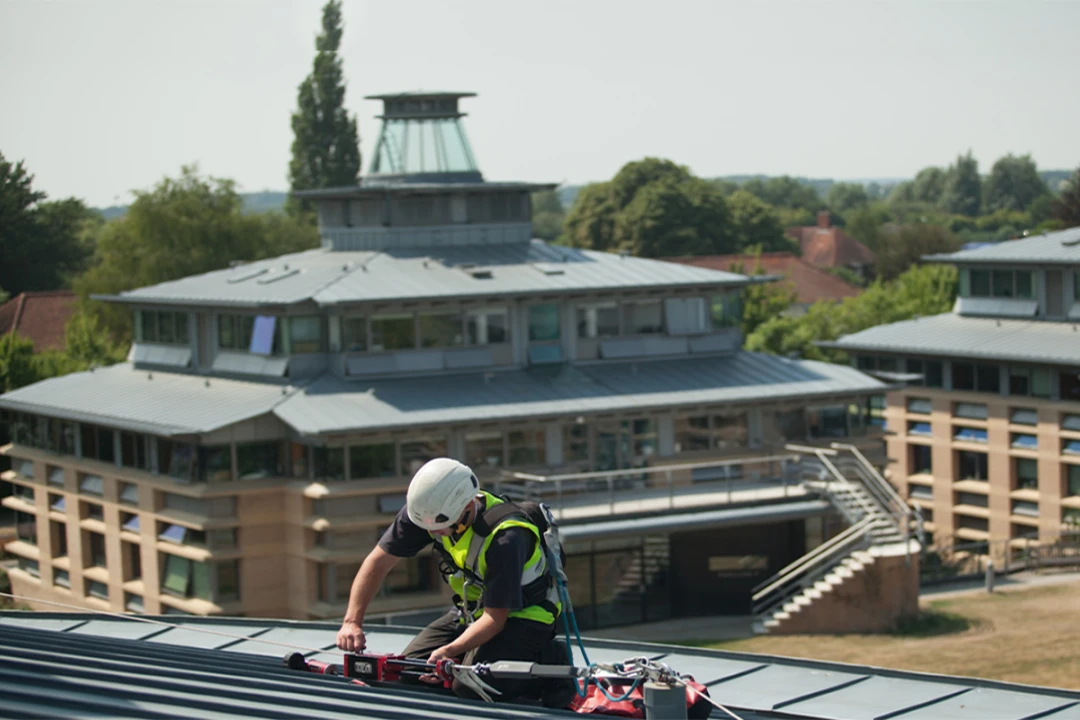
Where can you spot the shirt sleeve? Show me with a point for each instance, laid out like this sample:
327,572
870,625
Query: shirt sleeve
404,538
506,557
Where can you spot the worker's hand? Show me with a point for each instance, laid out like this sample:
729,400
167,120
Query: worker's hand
446,651
350,637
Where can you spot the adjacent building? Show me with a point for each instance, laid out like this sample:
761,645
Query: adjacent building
827,246
263,431
987,439
39,316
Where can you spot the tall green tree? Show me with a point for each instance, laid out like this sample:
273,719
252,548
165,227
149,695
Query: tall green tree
844,197
902,246
1066,207
755,224
762,302
785,192
326,144
929,185
866,224
963,187
17,367
40,242
1013,184
183,226
548,215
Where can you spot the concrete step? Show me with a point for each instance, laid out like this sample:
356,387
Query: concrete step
803,600
823,586
791,608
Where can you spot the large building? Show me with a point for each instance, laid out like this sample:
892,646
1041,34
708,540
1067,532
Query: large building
987,440
264,429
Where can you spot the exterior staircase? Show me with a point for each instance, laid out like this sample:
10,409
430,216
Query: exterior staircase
632,587
880,525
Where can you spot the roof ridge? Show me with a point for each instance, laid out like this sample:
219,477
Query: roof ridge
18,312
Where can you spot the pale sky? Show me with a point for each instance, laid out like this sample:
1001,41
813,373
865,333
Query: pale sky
103,97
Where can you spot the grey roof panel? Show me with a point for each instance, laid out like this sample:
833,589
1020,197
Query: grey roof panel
1056,247
874,698
158,402
113,629
333,405
710,670
982,703
439,273
951,335
197,637
54,624
776,687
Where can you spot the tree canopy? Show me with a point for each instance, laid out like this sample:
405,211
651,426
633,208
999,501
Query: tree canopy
1065,208
844,197
326,145
1013,184
962,193
41,243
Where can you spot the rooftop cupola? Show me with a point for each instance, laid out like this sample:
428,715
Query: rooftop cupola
422,139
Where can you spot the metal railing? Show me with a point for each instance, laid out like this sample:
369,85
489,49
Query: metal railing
902,512
807,570
657,483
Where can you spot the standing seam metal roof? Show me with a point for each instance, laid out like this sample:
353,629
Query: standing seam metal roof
1062,247
85,665
952,335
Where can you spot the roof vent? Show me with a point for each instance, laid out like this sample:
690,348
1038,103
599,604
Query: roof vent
549,269
247,276
1069,241
480,273
280,276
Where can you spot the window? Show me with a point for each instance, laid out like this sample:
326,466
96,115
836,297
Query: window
576,442
305,335
410,575
30,567
328,463
972,499
919,428
987,378
56,476
980,283
919,405
26,528
1071,447
598,320
1024,416
1022,441
93,511
129,493
97,443
57,502
692,433
1034,382
60,436
371,461
183,503
214,463
129,522
227,575
184,578
97,589
169,328
58,536
484,450
791,424
644,317
971,465
963,376
95,549
526,447
133,451
921,492
827,422
1072,479
969,434
61,578
91,485
25,492
255,461
176,459
131,555
888,364
1026,474
354,333
487,327
971,411
866,362
235,332
393,332
1025,508
133,603
934,374
544,323
439,330
417,451
1070,422
1003,283
997,283
223,538
173,533
1069,384
727,310
298,460
921,462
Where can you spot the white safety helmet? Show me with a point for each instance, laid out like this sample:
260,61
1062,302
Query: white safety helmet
439,493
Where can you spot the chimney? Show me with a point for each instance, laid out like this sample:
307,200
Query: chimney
824,220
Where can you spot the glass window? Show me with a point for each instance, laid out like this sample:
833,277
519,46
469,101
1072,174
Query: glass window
58,534
328,463
1069,385
260,460
97,589
417,451
1024,442
91,485
576,442
133,451
177,576
963,376
888,364
183,503
791,424
1040,382
298,460
971,465
968,434
1070,422
921,460
987,378
56,477
543,322
526,447
1024,416
129,493
866,362
828,422
306,334
129,522
176,459
1025,284
1072,479
215,463
484,449
30,567
393,332
971,411
965,283
919,406
692,433
354,333
919,428
1071,447
26,528
228,580
440,329
134,603
1025,508
371,461
148,325
408,576
1003,283
57,503
60,436
61,578
1027,473
727,310
95,549
1019,381
24,492
487,327
173,533
222,538
94,511
643,318
980,283
935,374
599,320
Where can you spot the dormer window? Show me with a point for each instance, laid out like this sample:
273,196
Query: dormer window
167,328
997,283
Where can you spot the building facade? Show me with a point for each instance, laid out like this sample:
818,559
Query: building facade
262,434
986,440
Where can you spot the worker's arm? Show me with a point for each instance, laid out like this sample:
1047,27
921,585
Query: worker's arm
487,626
367,582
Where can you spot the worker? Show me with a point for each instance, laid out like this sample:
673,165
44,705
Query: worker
505,599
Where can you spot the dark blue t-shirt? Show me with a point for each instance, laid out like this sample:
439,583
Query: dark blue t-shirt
506,557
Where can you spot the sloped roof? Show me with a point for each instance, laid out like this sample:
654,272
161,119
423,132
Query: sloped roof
86,665
331,404
162,403
830,247
810,283
413,274
39,316
952,335
1062,247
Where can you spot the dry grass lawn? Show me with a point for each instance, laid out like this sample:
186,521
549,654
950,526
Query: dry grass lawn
1029,636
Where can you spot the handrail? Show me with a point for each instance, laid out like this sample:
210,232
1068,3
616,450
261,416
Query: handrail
811,557
866,507
651,469
881,483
